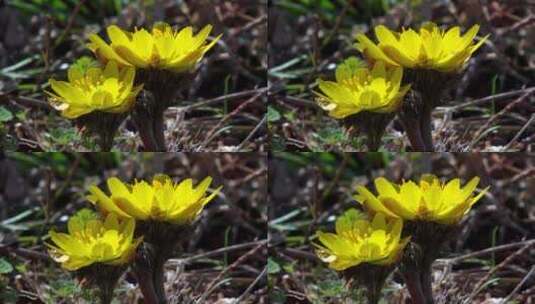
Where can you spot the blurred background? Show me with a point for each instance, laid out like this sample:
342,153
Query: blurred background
491,108
493,253
39,39
225,255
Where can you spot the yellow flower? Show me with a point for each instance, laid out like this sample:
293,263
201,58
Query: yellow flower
431,48
162,48
95,89
91,240
358,89
162,200
431,200
358,240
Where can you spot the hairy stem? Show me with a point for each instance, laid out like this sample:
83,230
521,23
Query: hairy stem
145,127
158,128
415,136
106,288
373,141
426,279
144,273
414,285
374,292
105,140
147,289
425,125
158,278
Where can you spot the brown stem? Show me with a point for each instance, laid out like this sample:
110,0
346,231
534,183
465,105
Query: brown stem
414,285
144,275
158,279
373,141
426,279
425,125
105,296
105,141
374,292
145,127
105,292
415,136
158,129
147,288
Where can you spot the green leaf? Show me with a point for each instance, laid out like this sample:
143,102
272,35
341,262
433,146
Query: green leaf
83,64
273,115
5,114
5,266
273,267
349,68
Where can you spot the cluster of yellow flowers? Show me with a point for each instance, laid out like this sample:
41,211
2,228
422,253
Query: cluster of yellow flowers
111,241
111,88
431,48
380,242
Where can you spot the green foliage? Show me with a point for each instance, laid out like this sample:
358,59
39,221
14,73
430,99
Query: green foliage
23,69
68,289
91,12
273,267
5,114
7,293
278,143
272,114
331,136
84,63
5,266
348,68
329,9
64,136
277,296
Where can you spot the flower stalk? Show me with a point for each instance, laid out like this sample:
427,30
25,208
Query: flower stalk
144,269
104,277
371,124
372,277
103,126
161,241
161,88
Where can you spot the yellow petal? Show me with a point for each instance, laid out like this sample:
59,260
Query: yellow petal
103,50
385,36
117,36
70,93
111,70
369,200
398,56
104,202
131,57
371,50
